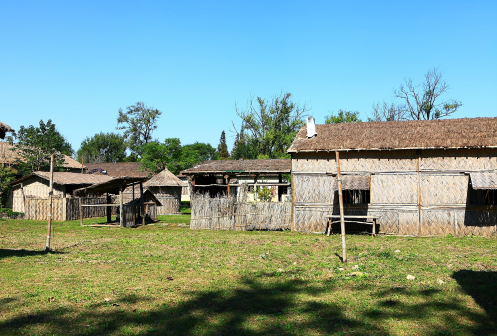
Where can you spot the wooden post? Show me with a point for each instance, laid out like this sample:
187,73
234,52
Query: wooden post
141,203
229,180
292,185
50,193
121,208
108,209
418,229
81,211
340,199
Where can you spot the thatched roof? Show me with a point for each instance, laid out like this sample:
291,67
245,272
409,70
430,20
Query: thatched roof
354,182
484,180
111,186
118,169
279,166
9,156
65,178
4,128
164,179
413,134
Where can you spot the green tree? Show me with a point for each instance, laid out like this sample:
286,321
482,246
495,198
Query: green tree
204,152
222,148
343,117
421,102
7,175
244,147
156,156
103,147
35,145
272,124
138,123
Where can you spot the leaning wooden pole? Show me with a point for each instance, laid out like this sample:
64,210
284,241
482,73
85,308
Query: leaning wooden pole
340,200
50,193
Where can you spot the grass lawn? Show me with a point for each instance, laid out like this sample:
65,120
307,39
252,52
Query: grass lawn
165,279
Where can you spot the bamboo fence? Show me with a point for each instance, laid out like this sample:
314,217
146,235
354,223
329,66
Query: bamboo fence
225,213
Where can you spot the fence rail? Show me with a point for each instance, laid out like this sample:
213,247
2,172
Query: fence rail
225,213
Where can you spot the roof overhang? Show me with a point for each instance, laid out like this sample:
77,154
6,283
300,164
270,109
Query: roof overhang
112,187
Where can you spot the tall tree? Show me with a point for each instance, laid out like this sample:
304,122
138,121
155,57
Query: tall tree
103,147
156,156
138,123
35,145
272,124
222,148
7,175
388,112
343,117
204,152
422,101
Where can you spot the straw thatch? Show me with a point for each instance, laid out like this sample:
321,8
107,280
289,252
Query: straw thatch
354,182
10,155
119,169
4,128
65,178
484,180
413,134
238,166
164,179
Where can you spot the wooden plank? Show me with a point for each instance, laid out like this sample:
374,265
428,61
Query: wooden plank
340,200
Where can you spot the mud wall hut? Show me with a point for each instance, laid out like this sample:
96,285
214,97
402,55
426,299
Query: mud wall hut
424,178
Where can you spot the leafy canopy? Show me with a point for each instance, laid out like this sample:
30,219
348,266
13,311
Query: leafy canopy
222,148
343,117
103,147
35,145
138,123
157,156
270,126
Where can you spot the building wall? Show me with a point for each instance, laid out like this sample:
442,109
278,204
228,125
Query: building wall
35,187
442,181
170,197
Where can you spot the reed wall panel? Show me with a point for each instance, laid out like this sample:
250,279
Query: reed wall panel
394,189
317,188
444,189
460,159
38,209
170,205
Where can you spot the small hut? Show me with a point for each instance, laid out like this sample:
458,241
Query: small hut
167,189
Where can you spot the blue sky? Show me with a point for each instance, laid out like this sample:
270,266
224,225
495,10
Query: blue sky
78,62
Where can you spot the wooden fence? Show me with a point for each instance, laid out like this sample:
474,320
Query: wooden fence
65,208
225,213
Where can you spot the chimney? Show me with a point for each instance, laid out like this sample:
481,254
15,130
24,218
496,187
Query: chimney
311,128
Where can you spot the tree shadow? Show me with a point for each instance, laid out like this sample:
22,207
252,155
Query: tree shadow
482,287
258,307
6,253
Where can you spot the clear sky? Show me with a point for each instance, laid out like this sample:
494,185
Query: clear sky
78,62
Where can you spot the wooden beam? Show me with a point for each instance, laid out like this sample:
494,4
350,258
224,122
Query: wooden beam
141,204
108,209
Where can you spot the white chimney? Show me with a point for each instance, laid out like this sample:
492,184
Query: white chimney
311,128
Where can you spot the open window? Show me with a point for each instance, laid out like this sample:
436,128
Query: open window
355,189
483,189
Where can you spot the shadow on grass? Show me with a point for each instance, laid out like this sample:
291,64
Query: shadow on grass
256,307
482,287
6,253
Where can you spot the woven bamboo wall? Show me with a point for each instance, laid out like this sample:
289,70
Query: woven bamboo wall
444,189
37,209
170,205
314,188
224,213
394,195
394,189
166,191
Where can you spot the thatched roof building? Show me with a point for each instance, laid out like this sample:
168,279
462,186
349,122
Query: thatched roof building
118,169
167,188
9,156
229,176
4,128
430,177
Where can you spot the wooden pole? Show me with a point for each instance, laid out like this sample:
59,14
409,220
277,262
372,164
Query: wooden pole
418,229
49,226
121,214
80,211
109,210
141,203
342,219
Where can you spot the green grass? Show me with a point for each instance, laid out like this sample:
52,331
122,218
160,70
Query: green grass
166,279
